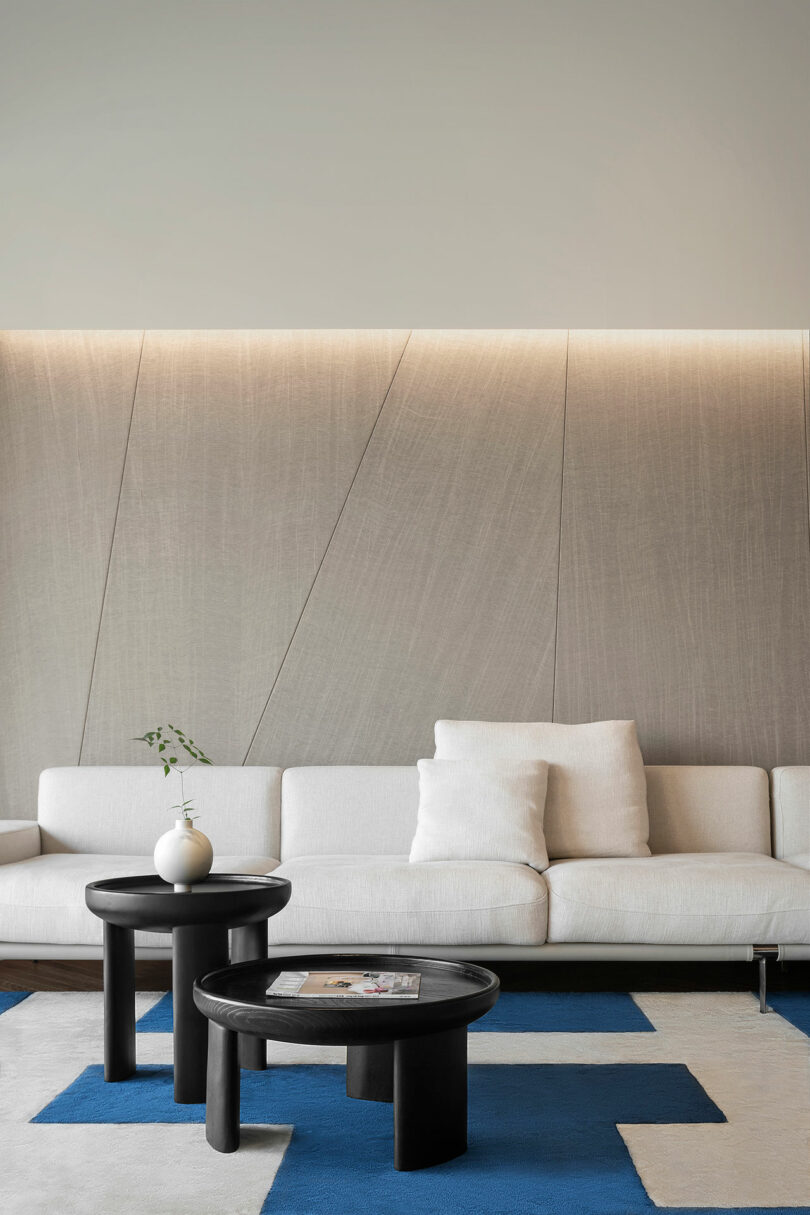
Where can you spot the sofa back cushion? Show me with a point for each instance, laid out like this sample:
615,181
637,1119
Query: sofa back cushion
791,814
596,803
719,808
352,810
124,810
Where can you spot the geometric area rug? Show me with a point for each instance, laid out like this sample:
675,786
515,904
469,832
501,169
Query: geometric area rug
579,1104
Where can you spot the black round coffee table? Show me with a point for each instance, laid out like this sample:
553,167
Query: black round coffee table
198,920
411,1052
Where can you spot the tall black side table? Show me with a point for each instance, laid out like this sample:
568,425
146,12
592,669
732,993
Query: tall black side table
410,1052
199,921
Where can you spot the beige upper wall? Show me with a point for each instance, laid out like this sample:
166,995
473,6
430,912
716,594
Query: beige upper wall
541,163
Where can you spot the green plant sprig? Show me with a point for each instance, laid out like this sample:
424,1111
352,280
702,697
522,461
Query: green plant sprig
182,806
170,742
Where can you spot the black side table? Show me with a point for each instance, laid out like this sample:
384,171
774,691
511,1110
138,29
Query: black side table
410,1052
198,921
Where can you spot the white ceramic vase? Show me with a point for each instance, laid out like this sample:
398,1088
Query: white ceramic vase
183,855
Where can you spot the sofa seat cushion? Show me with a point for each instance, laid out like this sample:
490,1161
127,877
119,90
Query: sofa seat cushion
42,899
735,898
363,900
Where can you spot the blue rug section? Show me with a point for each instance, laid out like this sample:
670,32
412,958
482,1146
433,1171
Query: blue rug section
158,1019
564,1012
517,1012
8,999
543,1138
794,1006
148,1096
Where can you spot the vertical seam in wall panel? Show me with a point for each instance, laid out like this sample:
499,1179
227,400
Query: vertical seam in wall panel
112,544
326,549
559,542
806,434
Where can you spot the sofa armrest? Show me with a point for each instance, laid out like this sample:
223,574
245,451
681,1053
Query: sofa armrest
790,807
19,840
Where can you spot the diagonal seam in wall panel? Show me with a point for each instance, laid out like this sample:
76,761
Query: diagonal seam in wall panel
326,549
112,545
559,542
438,595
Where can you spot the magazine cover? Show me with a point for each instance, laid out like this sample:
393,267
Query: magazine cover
369,984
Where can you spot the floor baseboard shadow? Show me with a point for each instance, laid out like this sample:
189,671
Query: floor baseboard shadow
51,975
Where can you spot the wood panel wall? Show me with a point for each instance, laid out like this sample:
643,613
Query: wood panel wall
307,546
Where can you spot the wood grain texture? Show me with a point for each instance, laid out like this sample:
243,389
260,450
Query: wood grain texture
78,976
685,568
451,994
437,596
243,448
228,900
65,406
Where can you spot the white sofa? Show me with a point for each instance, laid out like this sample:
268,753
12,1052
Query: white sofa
729,874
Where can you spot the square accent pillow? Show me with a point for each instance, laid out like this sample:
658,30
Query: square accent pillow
481,811
596,803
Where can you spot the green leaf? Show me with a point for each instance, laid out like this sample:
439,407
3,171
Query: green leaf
173,759
203,760
166,769
162,747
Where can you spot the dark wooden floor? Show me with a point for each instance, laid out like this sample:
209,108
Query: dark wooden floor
77,976
515,976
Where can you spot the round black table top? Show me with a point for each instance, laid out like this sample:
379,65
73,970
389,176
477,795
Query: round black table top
451,994
147,902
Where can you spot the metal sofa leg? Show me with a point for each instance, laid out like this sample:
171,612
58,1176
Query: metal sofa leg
761,955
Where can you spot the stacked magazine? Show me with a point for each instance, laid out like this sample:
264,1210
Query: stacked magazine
366,984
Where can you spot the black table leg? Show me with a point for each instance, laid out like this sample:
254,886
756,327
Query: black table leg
119,1002
370,1072
222,1097
247,943
430,1099
196,949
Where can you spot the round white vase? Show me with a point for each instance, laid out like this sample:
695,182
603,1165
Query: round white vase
183,855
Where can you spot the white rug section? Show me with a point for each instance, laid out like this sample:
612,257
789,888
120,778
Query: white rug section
756,1068
46,1040
135,1170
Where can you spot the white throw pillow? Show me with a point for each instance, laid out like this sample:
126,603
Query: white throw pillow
596,803
481,811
